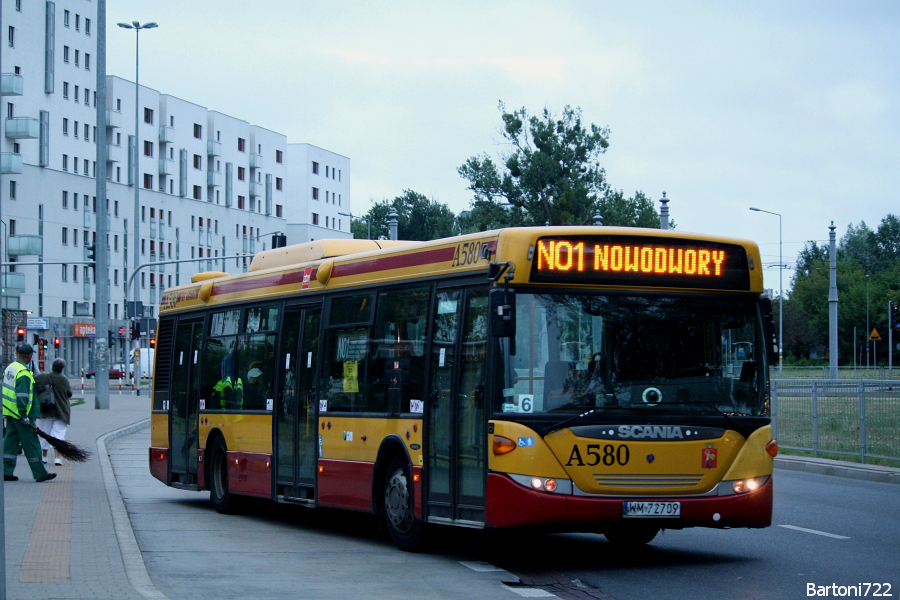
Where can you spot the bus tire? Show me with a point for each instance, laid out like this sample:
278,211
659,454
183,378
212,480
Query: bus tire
219,496
631,537
407,532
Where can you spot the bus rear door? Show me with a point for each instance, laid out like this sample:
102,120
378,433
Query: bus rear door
183,409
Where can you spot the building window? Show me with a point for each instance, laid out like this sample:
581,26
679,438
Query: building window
326,171
241,143
315,168
241,202
66,90
65,127
65,54
197,192
148,181
77,21
65,165
197,162
66,18
241,172
12,190
76,130
87,27
315,218
315,193
64,272
87,61
65,236
75,164
12,37
86,169
65,199
65,306
87,132
76,58
148,115
76,93
116,209
148,148
278,183
279,156
278,210
198,131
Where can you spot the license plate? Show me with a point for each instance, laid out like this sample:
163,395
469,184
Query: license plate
651,509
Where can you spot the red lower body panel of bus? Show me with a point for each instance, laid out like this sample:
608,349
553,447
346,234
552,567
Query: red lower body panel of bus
509,504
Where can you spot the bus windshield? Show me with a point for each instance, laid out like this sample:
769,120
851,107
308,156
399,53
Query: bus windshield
672,354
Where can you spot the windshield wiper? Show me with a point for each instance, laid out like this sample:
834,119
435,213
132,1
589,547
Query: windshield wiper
740,428
557,426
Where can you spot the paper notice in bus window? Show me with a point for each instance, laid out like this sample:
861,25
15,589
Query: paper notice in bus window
181,358
442,357
287,361
269,403
202,404
309,360
446,307
351,383
416,406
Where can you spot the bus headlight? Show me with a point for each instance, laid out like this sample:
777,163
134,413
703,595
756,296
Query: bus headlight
741,486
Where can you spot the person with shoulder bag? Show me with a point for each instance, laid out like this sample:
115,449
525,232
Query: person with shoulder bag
55,407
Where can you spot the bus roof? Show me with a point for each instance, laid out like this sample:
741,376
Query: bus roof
335,264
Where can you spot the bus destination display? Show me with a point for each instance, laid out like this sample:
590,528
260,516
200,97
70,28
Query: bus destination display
640,261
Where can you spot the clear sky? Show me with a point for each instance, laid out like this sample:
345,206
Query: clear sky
791,107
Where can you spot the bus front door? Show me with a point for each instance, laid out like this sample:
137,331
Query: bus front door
295,424
456,418
183,410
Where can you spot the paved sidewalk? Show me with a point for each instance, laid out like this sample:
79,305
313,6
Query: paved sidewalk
71,538
61,538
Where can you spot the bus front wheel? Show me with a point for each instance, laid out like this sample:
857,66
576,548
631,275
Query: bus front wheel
407,532
219,495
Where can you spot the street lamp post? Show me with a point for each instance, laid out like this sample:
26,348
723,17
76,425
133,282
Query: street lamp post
868,342
137,205
780,294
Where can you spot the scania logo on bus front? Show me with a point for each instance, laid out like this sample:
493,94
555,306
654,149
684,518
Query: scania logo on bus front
665,432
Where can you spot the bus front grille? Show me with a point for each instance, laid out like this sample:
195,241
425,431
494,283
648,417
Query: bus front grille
606,481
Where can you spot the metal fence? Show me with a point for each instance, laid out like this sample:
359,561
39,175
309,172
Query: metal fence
855,418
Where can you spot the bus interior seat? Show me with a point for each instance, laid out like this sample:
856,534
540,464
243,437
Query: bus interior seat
556,373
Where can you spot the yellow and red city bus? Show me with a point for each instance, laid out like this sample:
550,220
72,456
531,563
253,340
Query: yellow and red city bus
593,379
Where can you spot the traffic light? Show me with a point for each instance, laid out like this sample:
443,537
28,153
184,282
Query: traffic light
135,331
894,315
153,342
57,343
45,344
92,252
20,334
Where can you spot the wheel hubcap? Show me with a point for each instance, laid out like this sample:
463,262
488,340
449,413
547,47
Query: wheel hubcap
396,502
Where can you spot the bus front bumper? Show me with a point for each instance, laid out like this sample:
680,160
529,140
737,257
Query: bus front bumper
509,504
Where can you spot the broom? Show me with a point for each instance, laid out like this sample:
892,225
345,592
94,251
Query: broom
67,450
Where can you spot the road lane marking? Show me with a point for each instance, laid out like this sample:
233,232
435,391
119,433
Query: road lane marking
831,535
527,592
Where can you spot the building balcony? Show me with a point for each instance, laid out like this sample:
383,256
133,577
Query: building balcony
257,189
113,118
213,148
111,152
214,178
12,85
256,161
11,163
166,166
21,128
166,134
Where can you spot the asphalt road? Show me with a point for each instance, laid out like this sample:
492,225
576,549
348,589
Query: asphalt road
826,530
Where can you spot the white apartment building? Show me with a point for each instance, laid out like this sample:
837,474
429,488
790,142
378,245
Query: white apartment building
211,186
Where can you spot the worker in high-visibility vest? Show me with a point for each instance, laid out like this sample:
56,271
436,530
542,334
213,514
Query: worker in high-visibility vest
20,411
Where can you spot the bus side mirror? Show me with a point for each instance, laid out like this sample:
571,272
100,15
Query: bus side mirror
503,312
771,340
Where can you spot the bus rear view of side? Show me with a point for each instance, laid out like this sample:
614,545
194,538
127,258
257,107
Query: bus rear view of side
562,379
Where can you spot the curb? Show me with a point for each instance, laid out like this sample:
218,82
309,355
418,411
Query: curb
834,468
132,559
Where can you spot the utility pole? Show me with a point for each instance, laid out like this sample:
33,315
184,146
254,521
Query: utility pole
832,307
101,248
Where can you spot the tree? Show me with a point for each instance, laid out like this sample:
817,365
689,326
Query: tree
552,175
418,218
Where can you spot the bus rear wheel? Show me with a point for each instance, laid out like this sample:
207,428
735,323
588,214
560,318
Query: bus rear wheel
631,537
221,498
407,532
